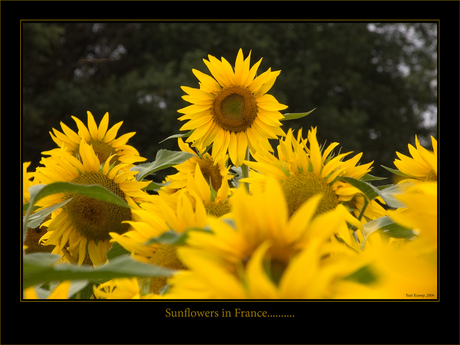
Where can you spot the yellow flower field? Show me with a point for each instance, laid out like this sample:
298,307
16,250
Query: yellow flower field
239,219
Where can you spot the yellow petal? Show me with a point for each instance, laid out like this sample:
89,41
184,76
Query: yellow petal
61,291
112,133
242,147
82,130
88,157
71,134
241,68
92,125
103,125
260,285
208,82
233,149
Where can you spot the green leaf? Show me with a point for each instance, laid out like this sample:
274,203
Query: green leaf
369,177
367,189
25,207
116,250
387,194
75,287
295,116
39,268
39,191
387,226
172,237
395,171
180,135
156,186
164,159
363,275
38,217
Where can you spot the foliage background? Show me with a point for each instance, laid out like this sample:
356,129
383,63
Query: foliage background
374,85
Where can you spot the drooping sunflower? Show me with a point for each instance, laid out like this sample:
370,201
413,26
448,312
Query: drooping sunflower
264,254
308,170
102,140
423,164
232,109
80,229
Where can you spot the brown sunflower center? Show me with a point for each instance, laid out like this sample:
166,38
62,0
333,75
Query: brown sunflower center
217,209
94,218
299,188
102,151
165,256
234,108
431,176
211,172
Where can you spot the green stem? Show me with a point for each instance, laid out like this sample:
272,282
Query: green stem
363,209
245,170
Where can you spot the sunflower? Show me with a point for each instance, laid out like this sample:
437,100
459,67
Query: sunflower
306,171
390,272
399,268
102,140
264,254
80,229
421,213
33,235
232,109
26,182
155,219
214,171
423,164
121,288
61,291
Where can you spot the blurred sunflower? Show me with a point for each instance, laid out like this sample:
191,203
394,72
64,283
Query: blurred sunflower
423,165
80,229
61,291
265,254
102,140
307,171
149,223
121,288
421,213
390,271
232,109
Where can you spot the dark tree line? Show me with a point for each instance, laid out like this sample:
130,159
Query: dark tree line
373,84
